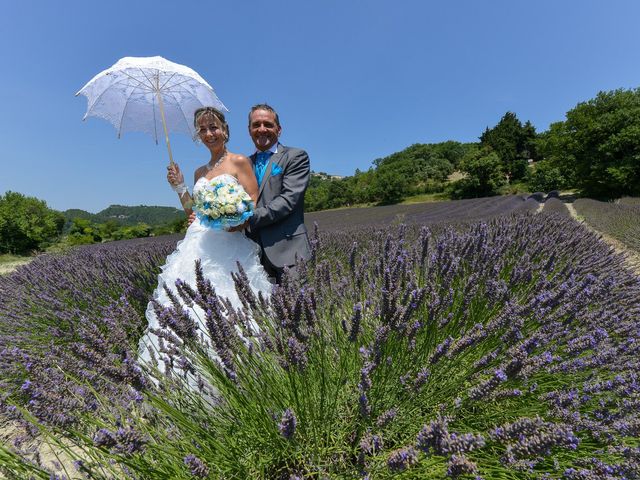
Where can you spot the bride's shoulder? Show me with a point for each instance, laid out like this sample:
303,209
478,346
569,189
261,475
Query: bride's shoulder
200,172
238,159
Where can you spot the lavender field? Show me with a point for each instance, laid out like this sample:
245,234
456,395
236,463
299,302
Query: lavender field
461,340
620,220
447,212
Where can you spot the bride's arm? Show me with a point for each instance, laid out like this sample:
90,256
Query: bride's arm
176,180
246,177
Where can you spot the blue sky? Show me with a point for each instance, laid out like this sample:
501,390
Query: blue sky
353,80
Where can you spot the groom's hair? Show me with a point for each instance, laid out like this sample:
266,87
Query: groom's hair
268,108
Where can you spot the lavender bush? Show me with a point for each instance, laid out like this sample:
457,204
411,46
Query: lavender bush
69,330
629,201
507,349
620,220
555,206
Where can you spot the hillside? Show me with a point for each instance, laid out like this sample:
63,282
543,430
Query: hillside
127,215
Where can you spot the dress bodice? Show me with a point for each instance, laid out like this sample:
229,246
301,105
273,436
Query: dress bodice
225,177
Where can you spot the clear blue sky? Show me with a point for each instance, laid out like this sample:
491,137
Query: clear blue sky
353,80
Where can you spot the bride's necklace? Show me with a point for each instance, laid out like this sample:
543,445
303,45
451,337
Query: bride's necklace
218,162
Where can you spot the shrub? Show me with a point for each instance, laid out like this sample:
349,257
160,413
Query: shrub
27,224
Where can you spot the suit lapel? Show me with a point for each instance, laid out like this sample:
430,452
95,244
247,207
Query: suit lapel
267,173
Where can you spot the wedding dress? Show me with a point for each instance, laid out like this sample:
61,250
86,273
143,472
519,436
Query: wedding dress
218,251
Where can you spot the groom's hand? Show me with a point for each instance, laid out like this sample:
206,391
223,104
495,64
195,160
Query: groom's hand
239,228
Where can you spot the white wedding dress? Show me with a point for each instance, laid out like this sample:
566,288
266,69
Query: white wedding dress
218,251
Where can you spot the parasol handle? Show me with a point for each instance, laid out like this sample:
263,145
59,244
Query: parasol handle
164,124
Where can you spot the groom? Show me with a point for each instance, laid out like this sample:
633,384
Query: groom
277,224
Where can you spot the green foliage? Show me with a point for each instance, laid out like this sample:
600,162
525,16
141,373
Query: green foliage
451,151
597,147
545,177
27,224
390,184
86,229
152,215
140,230
422,162
484,175
418,169
127,216
513,142
83,231
177,226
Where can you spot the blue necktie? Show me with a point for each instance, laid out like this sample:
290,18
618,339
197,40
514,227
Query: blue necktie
262,160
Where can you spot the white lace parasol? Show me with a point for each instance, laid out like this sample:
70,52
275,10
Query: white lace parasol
149,94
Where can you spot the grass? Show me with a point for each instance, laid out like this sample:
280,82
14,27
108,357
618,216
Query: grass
515,188
425,198
9,262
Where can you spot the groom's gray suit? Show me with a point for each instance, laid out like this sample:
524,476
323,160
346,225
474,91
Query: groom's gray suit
277,224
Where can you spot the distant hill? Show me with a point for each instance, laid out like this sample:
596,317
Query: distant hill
126,215
77,213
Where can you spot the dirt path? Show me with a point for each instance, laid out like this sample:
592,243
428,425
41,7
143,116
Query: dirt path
632,258
40,451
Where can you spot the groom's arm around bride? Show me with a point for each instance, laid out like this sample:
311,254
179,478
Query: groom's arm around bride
277,224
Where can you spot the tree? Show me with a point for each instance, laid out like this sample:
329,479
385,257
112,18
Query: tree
451,151
546,177
513,142
134,231
390,185
597,147
484,175
27,224
82,232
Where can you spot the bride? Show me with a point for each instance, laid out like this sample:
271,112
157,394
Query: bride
217,250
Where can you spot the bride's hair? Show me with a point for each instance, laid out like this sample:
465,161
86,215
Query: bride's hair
201,112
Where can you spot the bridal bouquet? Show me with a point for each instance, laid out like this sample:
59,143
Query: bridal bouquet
221,205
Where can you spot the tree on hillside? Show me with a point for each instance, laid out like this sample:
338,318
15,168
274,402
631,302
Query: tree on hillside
546,177
419,168
390,185
484,175
421,162
597,147
83,232
530,142
27,224
513,142
452,151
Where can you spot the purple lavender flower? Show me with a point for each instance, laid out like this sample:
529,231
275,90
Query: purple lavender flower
435,438
296,353
288,422
355,322
129,440
401,459
104,438
371,444
386,417
459,465
196,467
482,390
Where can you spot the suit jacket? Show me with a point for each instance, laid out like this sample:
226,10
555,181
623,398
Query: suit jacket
278,220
